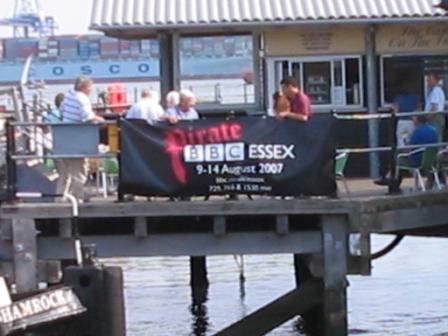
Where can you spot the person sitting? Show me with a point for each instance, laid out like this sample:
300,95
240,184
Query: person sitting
299,102
185,110
148,108
423,134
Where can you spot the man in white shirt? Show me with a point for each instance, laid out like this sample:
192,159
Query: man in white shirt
148,108
76,108
185,110
435,102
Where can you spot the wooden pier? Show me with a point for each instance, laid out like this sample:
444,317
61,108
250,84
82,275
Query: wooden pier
36,238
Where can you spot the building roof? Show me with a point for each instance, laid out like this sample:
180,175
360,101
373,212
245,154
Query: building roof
178,14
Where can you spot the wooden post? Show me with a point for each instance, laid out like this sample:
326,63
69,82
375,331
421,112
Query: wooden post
25,255
335,251
198,272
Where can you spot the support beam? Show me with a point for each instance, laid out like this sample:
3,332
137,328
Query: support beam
335,251
167,63
172,245
277,312
372,96
25,255
140,227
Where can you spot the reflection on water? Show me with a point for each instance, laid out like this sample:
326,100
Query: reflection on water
407,294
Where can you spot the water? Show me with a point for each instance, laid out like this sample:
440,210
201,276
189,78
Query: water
407,294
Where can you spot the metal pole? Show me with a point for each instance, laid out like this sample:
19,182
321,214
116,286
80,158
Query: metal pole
372,96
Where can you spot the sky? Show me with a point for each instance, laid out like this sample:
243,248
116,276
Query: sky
72,16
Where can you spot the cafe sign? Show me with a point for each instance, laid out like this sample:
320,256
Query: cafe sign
412,38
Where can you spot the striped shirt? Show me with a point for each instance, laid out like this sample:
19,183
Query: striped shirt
76,107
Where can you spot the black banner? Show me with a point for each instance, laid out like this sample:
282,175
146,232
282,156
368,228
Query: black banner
249,155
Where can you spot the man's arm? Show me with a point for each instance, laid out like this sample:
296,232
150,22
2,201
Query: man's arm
293,116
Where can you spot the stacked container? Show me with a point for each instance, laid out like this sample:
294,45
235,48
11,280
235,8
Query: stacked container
83,48
135,48
109,47
43,48
19,48
146,47
155,50
53,48
94,47
125,48
68,47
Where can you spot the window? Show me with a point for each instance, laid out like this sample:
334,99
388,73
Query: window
218,69
333,82
407,75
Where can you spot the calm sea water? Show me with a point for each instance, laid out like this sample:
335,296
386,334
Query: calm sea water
407,294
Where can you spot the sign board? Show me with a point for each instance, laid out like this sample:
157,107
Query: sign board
314,42
39,309
412,38
249,155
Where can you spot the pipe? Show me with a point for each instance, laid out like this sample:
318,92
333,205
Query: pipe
389,248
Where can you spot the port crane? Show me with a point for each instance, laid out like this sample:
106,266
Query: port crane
28,17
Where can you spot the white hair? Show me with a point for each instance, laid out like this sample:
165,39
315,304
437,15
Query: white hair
187,94
81,82
172,98
151,94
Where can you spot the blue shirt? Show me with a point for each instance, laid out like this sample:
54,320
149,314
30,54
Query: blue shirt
423,134
407,103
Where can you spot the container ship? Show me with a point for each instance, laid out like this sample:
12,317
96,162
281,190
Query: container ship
58,60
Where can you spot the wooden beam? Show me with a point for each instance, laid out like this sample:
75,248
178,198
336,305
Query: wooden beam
277,312
182,208
198,244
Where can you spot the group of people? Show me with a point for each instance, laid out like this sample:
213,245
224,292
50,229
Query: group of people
75,106
179,106
424,129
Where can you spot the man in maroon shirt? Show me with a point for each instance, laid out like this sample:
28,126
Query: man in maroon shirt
300,105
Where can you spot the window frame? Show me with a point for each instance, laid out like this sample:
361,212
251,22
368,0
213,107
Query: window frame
211,108
273,86
383,57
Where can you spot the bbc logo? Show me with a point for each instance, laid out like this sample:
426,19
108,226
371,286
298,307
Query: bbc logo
228,152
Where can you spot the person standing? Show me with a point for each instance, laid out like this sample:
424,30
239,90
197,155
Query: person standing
435,102
76,108
299,102
148,108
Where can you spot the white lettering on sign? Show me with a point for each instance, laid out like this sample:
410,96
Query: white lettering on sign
271,152
232,152
43,303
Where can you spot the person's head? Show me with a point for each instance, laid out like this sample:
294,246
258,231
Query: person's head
84,84
58,100
290,87
187,100
150,94
420,119
172,99
433,79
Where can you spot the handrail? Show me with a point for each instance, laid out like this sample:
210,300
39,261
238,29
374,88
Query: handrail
388,148
373,116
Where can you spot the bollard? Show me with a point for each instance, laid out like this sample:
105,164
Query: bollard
100,290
